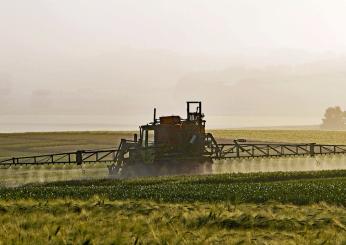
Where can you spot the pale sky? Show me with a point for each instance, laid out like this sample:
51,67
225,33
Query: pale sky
182,26
243,57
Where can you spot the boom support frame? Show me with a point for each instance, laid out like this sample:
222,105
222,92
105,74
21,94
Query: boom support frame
212,149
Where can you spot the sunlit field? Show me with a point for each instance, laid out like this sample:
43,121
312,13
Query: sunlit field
297,207
22,144
101,221
260,201
292,136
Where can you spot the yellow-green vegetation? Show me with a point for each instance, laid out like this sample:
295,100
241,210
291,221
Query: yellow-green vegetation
257,208
22,144
101,221
285,187
294,136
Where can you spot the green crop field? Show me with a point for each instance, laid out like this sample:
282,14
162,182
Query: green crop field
263,208
230,208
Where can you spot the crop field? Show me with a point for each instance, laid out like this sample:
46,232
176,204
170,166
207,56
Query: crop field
272,208
293,136
291,187
242,205
22,144
96,221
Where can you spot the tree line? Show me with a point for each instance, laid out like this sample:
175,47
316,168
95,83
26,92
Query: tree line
334,118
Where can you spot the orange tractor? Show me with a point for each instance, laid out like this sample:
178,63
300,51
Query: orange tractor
168,145
172,145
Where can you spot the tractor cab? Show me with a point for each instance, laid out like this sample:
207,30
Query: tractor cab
175,133
168,142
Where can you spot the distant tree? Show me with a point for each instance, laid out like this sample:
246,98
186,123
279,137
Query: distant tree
334,118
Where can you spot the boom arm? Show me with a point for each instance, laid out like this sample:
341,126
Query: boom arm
212,150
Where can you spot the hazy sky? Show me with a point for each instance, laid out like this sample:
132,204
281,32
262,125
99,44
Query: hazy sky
123,57
186,27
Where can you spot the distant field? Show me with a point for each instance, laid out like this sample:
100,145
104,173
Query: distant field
19,144
294,136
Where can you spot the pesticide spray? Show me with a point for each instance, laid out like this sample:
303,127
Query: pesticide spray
20,175
317,163
14,176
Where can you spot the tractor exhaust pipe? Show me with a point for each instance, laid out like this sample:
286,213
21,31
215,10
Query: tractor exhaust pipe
154,116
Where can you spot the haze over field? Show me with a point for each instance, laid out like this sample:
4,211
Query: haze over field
105,65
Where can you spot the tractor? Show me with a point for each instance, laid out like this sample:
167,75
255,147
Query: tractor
168,145
171,145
